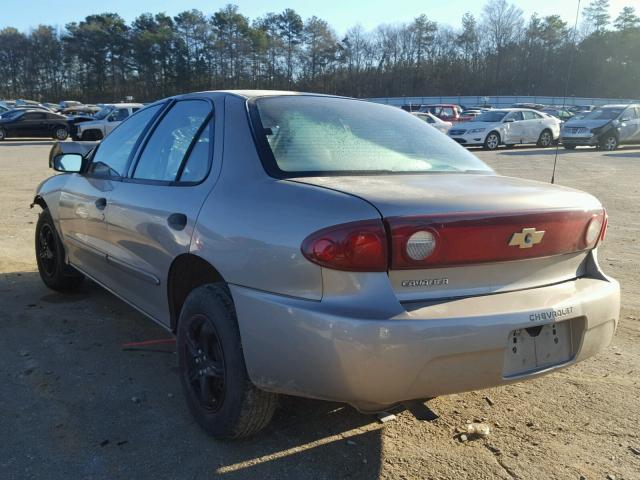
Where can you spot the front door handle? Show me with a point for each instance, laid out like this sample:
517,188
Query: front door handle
101,203
177,221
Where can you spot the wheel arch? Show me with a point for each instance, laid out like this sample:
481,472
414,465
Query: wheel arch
38,200
187,272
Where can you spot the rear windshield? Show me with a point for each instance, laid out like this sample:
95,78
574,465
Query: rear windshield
321,135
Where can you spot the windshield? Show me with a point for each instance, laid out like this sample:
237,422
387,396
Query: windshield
603,114
309,134
491,117
103,113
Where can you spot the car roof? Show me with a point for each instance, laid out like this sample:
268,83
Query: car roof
123,105
515,109
620,105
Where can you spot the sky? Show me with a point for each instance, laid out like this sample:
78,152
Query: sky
341,14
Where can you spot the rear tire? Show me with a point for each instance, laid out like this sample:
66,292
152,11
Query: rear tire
60,133
3,134
54,272
492,142
213,373
545,139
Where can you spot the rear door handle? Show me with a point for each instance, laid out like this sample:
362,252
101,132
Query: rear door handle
177,221
101,203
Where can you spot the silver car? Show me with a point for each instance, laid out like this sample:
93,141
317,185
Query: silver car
325,247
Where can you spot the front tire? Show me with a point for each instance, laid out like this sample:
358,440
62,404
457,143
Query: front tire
213,373
54,272
492,142
609,142
545,139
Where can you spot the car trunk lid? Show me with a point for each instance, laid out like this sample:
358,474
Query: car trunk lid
487,227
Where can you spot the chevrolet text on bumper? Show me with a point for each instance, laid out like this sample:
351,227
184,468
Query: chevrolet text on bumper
325,247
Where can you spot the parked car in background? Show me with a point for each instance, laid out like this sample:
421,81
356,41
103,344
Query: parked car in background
4,109
69,103
54,107
581,108
8,104
86,110
33,123
444,111
325,247
558,112
468,115
532,106
104,121
507,126
605,127
434,121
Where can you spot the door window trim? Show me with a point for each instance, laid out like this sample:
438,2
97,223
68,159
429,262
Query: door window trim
151,123
139,149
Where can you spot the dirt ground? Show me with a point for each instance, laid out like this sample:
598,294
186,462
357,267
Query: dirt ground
74,404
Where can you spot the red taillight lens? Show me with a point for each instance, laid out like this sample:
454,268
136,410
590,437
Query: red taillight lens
481,237
356,246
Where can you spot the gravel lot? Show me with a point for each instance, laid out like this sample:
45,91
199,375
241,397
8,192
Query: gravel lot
75,404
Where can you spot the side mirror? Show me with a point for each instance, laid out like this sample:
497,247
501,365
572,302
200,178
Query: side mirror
509,120
68,163
625,119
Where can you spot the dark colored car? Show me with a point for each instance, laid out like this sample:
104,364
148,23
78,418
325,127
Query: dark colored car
605,127
33,123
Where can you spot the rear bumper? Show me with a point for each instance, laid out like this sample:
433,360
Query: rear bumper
309,348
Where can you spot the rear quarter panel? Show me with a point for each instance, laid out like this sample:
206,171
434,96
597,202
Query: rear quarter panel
251,225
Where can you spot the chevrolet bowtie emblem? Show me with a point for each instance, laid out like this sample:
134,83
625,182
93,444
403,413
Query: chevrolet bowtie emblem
527,238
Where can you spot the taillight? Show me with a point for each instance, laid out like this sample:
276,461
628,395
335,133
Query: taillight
356,246
480,237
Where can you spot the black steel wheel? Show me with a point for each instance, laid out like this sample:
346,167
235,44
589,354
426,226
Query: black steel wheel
47,250
215,382
50,257
205,368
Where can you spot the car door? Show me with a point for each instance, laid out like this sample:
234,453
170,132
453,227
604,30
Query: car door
152,214
513,127
532,126
32,124
628,125
84,200
115,118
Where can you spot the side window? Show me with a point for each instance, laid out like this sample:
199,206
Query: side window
34,116
537,116
529,116
110,160
631,113
197,165
516,116
167,146
447,111
121,114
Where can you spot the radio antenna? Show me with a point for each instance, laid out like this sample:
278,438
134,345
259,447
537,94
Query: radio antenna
566,87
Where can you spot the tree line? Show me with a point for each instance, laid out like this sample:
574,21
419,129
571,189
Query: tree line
103,58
